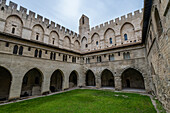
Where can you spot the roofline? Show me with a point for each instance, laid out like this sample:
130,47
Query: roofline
146,17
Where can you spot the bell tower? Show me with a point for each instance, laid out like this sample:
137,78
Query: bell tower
84,25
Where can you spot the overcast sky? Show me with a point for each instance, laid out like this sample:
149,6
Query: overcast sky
68,12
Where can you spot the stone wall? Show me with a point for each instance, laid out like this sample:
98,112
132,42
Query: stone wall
157,50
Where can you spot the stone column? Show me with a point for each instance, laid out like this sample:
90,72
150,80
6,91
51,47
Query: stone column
98,80
16,85
45,87
118,83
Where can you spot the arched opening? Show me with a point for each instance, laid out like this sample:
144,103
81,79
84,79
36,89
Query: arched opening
107,79
14,25
32,82
15,50
73,79
21,50
132,78
90,78
5,83
56,81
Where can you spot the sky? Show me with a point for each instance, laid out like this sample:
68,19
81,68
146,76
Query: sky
68,12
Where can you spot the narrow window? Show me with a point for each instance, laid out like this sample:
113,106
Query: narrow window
83,20
37,36
15,50
118,53
36,53
13,30
53,41
40,54
111,41
111,58
125,37
54,56
86,45
21,50
51,55
7,44
46,52
29,48
97,43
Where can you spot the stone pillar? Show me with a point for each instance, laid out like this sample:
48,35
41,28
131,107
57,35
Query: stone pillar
16,85
98,80
45,87
118,83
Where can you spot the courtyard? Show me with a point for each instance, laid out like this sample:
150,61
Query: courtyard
84,101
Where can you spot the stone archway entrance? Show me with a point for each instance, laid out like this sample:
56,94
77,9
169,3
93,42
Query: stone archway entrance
31,84
56,81
132,78
90,78
73,79
107,79
5,83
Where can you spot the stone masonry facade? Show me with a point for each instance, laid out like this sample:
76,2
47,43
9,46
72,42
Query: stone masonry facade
38,56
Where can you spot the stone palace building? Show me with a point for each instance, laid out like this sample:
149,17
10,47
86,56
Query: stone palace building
38,56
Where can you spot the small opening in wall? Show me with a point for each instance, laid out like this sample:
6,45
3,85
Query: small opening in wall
2,8
105,55
59,54
86,46
46,52
83,20
53,41
13,30
118,53
7,44
29,48
115,44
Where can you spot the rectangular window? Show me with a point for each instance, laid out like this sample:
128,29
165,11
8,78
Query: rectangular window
29,48
7,44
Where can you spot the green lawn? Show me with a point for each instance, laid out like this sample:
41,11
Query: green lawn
84,101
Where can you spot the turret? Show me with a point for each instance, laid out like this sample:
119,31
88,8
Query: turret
84,25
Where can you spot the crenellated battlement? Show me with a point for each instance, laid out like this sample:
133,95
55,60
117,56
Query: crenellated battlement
119,20
30,15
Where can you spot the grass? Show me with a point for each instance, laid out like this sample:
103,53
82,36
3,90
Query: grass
84,101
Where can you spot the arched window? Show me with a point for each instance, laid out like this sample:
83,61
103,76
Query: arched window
110,40
21,50
99,59
65,58
13,30
40,54
15,50
126,55
86,45
37,36
51,55
83,20
97,43
125,37
54,56
111,58
36,53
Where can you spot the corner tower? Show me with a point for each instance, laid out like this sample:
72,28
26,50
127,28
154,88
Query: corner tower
83,25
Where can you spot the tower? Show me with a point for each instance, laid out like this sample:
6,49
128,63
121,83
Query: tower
84,25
